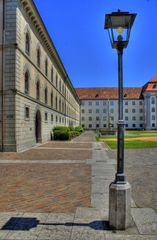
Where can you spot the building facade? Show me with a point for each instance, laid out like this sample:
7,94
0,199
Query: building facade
99,107
36,93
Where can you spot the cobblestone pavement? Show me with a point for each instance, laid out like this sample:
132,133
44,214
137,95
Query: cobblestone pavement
67,199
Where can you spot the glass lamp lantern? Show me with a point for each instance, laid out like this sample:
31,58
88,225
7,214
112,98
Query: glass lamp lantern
119,26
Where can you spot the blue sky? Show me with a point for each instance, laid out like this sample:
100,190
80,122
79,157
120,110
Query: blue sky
77,31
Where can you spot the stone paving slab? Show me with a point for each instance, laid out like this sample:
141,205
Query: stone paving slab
145,219
87,234
129,237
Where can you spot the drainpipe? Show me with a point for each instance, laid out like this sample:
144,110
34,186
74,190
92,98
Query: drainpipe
3,41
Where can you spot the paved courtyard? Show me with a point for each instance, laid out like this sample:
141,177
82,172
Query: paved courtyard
59,191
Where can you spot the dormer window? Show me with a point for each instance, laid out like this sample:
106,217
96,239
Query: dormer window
155,85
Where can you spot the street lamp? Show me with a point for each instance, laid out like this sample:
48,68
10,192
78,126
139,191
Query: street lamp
119,26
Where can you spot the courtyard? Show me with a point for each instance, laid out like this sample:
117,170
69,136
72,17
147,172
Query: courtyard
59,190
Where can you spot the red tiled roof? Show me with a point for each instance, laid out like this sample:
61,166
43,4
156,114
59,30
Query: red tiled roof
108,93
154,80
151,86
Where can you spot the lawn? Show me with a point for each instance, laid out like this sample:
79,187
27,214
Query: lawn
133,139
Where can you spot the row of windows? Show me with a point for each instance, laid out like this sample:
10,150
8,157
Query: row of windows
105,103
58,118
112,118
112,125
112,110
58,82
58,104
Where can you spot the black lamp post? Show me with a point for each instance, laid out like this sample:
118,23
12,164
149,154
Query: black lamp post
119,26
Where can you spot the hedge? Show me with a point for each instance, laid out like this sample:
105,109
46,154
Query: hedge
66,133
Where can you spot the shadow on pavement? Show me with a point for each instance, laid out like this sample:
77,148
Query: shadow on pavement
25,224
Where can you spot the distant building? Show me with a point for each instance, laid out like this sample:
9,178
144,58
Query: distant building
99,107
36,93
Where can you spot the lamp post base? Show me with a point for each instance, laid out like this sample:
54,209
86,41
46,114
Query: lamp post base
119,205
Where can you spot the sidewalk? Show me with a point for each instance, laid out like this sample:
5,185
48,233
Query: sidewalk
85,223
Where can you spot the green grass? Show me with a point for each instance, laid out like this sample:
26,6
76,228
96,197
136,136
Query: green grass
141,132
132,144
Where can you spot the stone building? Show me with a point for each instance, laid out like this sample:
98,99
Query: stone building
99,107
36,93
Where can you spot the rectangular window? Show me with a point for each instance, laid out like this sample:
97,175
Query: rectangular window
104,125
104,110
126,103
126,110
82,103
153,109
152,100
82,118
104,118
153,117
83,125
140,103
90,118
141,110
141,118
111,110
133,118
51,117
89,103
27,113
134,125
141,125
112,118
97,125
97,110
126,125
46,116
97,103
89,110
104,103
56,119
126,118
111,103
97,118
133,110
90,125
83,111
133,103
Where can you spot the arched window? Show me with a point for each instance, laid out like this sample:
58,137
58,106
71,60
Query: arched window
27,43
38,57
52,74
26,82
46,95
46,67
51,99
38,90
